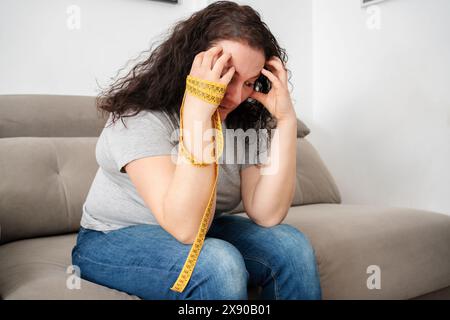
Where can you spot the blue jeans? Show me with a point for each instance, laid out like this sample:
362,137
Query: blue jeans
145,260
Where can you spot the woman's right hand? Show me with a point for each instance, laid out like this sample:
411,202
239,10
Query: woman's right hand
203,67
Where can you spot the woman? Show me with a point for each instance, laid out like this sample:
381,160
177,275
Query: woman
143,210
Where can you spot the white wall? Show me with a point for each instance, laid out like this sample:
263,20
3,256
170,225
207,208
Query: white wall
382,101
375,100
41,54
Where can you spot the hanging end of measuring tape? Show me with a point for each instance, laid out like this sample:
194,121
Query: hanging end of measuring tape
176,289
179,286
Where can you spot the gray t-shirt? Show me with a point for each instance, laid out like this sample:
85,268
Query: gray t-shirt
113,202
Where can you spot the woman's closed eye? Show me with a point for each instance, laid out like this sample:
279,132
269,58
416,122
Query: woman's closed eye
248,84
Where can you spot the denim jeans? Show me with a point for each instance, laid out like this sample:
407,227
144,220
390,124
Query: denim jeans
145,260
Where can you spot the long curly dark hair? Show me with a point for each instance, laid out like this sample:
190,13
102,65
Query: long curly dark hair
158,83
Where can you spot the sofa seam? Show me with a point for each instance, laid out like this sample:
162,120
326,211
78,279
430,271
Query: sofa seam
68,216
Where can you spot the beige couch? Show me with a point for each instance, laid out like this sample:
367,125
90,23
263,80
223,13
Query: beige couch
47,163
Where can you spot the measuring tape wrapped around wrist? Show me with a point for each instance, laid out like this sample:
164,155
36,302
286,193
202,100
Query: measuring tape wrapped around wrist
211,92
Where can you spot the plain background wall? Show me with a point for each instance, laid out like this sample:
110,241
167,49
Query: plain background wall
382,101
41,54
375,100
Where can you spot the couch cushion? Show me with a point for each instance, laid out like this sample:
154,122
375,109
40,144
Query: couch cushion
442,294
38,269
35,115
41,115
43,184
302,129
410,246
314,184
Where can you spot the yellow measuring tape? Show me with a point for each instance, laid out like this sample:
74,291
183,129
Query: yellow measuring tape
211,92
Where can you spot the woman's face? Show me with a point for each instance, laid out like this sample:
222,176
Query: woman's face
248,63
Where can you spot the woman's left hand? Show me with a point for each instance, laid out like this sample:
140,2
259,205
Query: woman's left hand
277,100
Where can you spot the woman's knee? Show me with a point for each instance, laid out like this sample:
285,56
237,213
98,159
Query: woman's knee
295,258
221,271
291,242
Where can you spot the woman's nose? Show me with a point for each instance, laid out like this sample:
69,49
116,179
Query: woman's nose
233,94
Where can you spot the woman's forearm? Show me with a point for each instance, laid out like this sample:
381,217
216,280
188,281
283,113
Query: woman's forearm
190,188
275,188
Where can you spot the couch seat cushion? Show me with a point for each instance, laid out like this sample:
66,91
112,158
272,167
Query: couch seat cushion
37,269
411,248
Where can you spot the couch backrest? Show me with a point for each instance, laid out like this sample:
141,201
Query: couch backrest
38,115
47,164
314,182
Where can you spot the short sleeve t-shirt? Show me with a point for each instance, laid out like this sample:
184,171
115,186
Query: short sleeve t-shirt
113,202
